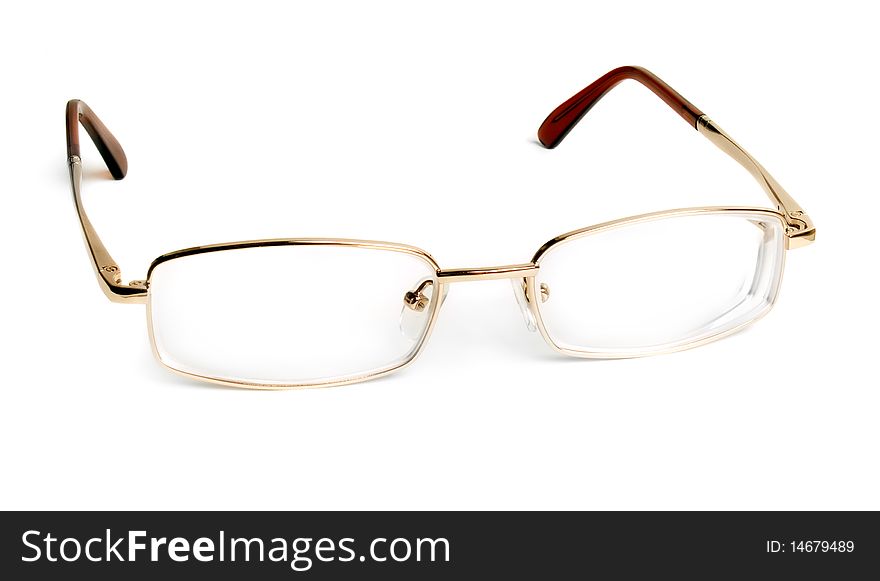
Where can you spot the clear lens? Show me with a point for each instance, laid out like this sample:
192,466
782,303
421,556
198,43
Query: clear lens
292,314
655,285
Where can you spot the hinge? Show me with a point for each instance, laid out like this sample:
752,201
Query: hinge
799,230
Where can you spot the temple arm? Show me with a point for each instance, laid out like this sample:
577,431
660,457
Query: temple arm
109,274
800,230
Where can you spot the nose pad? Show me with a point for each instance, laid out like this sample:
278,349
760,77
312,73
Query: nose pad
519,291
415,314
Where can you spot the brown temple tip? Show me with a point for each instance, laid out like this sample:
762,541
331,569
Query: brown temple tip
107,145
563,119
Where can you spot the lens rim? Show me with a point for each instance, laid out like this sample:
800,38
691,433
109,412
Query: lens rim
532,291
434,306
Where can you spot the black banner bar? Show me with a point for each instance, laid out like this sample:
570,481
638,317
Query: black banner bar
422,545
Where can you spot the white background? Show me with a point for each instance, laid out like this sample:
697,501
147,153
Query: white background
416,123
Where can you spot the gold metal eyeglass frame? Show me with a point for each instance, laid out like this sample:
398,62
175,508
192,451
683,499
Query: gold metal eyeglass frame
799,229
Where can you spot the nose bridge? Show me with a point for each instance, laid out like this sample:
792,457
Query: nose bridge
487,273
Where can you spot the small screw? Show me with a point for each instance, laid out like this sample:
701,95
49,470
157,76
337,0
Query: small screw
111,268
545,292
797,214
416,301
791,230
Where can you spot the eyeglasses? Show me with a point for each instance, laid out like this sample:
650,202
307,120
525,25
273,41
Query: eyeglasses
337,311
